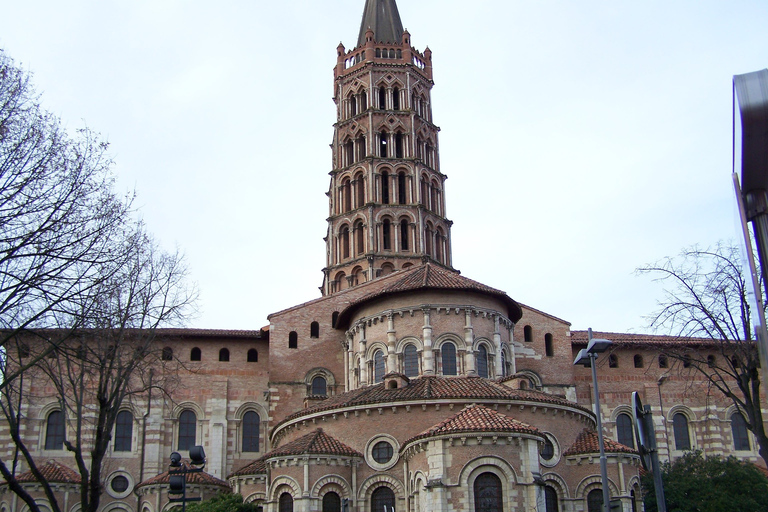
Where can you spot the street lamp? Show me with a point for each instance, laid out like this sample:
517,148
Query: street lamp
177,474
587,358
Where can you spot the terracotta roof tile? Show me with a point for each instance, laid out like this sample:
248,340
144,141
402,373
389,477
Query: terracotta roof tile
315,443
431,277
589,442
201,478
52,471
477,418
580,338
434,388
257,467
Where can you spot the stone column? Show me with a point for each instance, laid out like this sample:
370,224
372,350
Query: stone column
363,359
497,347
429,358
391,344
469,340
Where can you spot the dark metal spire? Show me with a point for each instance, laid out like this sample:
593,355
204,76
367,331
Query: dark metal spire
382,17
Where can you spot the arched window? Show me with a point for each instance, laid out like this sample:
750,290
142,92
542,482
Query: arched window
711,361
482,361
286,502
613,361
253,356
739,431
54,431
349,153
314,330
429,239
346,194
448,355
344,235
293,339
663,361
383,141
382,98
334,319
682,436
624,432
638,361
123,431
399,145
195,354
331,502
386,235
359,191
383,499
360,238
379,366
595,500
319,386
224,355
401,188
488,493
352,106
167,354
528,333
396,99
549,349
251,427
363,101
410,361
187,430
550,499
385,187
404,235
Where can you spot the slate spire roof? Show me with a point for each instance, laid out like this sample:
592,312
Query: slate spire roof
382,17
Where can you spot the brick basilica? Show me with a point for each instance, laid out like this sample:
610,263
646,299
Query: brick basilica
406,386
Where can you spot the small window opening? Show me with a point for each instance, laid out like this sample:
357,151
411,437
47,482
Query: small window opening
224,355
401,188
386,229
404,235
195,354
253,356
613,361
293,340
398,145
314,330
382,98
711,361
638,361
528,333
334,319
549,349
167,354
396,99
383,145
663,363
385,187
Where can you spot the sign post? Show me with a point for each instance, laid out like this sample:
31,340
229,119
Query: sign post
646,445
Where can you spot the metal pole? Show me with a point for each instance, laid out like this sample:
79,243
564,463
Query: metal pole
658,484
603,460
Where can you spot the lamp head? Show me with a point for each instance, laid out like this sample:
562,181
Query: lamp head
197,455
175,459
598,346
583,359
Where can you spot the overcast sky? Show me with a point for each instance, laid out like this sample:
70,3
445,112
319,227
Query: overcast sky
581,139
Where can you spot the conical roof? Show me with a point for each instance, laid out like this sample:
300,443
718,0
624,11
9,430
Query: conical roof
589,442
314,443
382,17
52,471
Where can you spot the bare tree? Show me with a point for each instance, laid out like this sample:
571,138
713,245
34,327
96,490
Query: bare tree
61,225
706,296
83,290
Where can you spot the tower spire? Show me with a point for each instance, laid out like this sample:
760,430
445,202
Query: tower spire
382,17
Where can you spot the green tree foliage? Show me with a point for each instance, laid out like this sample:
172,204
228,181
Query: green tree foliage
222,503
694,483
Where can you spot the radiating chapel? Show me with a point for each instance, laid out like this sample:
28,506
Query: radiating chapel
405,386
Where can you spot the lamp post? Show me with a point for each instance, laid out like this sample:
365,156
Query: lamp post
177,474
587,357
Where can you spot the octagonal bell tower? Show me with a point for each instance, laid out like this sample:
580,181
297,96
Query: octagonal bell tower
386,200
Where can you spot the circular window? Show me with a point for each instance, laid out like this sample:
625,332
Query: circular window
382,452
119,484
547,450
